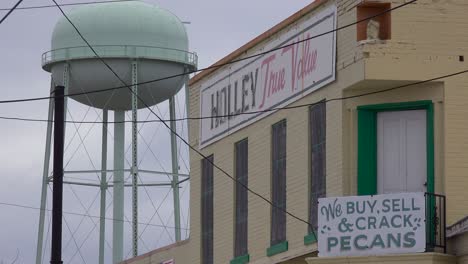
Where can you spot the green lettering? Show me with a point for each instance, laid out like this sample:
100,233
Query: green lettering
407,221
414,206
384,222
363,209
394,240
358,220
404,209
386,206
345,243
371,222
357,245
372,205
331,242
393,222
350,208
409,240
378,242
395,205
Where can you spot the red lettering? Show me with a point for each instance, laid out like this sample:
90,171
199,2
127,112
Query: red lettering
293,63
266,62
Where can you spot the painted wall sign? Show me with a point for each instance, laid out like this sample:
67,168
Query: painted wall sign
371,225
272,80
171,261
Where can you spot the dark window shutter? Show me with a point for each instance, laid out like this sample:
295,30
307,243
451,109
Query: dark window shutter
317,128
278,183
241,217
207,210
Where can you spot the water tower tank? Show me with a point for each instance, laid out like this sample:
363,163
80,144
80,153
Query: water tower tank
120,33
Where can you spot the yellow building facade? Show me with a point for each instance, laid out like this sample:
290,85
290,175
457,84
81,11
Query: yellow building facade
374,72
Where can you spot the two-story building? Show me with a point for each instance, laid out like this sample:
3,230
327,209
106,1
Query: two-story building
329,108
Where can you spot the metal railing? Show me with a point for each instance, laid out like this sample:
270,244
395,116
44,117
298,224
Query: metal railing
436,223
117,51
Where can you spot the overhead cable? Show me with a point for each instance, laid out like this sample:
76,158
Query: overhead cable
261,111
215,66
69,4
10,11
87,215
176,134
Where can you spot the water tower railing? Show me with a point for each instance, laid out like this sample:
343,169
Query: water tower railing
120,51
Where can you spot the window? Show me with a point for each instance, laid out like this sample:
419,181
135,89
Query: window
241,195
207,210
381,23
317,134
278,183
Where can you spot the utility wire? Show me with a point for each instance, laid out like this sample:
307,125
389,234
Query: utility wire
215,66
87,215
175,133
120,79
260,111
201,154
70,4
10,11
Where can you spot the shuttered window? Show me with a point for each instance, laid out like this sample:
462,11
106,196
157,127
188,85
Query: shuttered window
241,211
207,209
278,183
317,128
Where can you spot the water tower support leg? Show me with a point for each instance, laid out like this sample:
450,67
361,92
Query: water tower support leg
118,210
175,169
102,218
66,85
45,182
135,157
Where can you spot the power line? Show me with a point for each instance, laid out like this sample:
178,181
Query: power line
183,140
175,132
87,215
213,66
134,220
10,11
259,111
70,4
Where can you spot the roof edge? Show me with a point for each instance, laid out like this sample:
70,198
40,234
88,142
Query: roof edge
275,29
156,251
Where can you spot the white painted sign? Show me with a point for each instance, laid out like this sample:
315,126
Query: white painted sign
371,225
171,261
270,81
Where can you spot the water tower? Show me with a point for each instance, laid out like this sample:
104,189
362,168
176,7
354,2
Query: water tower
141,43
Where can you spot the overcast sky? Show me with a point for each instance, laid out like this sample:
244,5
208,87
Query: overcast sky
217,28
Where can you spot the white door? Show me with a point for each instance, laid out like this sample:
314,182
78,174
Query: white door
401,151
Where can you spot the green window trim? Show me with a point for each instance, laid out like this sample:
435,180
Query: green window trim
240,260
310,239
367,142
277,248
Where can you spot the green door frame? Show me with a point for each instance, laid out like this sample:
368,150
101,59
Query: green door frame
367,142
